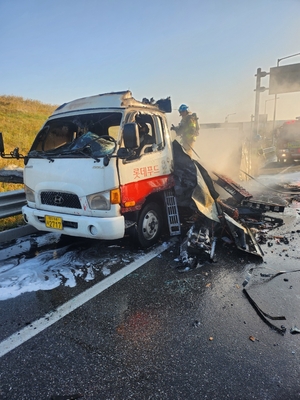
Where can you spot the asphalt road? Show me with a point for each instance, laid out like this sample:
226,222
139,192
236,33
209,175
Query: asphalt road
159,334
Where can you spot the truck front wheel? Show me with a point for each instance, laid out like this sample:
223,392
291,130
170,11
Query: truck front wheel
149,225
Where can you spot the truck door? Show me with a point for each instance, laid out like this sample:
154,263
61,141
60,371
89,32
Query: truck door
148,169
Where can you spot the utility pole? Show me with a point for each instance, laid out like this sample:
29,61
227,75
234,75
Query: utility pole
258,89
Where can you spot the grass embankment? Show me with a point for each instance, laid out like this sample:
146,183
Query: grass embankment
20,120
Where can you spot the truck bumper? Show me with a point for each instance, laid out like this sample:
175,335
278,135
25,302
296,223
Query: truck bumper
75,225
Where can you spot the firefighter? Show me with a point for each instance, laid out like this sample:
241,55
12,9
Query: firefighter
188,128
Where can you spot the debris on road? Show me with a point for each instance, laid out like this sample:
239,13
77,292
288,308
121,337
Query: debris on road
264,316
248,277
240,220
278,273
294,330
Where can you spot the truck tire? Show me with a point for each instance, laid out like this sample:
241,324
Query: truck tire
149,225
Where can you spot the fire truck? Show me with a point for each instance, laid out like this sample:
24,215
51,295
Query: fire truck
288,141
101,166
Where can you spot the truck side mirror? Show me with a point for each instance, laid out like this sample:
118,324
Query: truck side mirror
13,154
131,136
1,144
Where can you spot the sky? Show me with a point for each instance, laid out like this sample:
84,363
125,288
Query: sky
201,53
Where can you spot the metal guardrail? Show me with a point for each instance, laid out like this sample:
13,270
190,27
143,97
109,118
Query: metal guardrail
269,150
16,233
11,203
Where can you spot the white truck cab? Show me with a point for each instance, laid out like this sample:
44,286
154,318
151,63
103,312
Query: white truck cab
99,165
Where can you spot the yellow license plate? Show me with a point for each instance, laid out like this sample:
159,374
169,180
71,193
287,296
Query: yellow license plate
53,222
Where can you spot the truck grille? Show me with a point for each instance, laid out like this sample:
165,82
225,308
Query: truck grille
60,199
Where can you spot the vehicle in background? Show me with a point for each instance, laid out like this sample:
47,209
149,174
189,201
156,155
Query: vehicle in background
288,141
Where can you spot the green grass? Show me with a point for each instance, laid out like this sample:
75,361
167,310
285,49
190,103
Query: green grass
11,222
20,120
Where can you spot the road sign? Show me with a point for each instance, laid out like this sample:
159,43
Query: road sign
284,79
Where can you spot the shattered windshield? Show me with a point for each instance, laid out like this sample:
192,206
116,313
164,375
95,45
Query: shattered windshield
87,135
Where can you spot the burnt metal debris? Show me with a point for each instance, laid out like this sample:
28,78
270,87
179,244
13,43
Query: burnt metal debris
265,317
242,221
239,220
294,330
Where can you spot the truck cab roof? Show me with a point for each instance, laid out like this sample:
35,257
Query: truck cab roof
113,100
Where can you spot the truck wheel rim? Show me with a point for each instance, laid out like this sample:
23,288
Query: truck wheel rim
150,225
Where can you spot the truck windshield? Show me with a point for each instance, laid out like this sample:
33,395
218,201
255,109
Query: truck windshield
70,135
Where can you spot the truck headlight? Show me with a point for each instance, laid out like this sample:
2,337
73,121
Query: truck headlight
29,194
99,201
284,152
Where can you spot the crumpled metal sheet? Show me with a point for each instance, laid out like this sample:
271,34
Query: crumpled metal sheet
185,177
193,186
195,189
243,237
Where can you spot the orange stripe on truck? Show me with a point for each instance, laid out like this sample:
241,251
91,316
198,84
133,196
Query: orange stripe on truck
135,193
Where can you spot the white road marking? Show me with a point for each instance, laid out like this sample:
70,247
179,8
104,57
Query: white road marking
286,169
49,319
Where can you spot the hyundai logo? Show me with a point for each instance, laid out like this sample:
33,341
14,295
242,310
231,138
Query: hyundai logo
58,200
